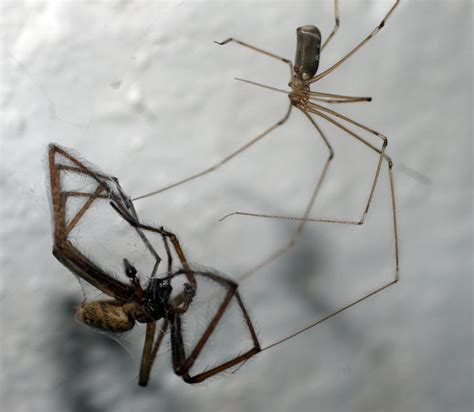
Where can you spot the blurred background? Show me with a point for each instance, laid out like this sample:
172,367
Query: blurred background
141,90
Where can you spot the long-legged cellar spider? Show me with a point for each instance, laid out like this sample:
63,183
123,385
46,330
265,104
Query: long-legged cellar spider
303,74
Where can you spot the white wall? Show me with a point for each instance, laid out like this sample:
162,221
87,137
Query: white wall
140,89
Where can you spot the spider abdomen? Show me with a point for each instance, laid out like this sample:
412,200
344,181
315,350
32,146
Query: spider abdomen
308,48
106,315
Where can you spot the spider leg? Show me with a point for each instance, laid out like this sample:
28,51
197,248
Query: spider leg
258,50
360,45
182,363
80,213
338,98
152,250
146,363
223,161
77,263
336,24
331,315
168,252
150,350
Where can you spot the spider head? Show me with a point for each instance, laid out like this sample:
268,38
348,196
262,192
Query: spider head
156,298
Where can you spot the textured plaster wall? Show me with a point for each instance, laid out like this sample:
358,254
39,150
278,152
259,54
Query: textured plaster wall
140,89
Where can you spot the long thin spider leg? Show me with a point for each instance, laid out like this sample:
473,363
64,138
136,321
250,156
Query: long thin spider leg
81,170
353,100
258,50
73,222
168,252
183,364
152,250
84,194
150,351
360,45
336,24
337,312
307,211
394,219
147,360
338,98
275,89
223,161
347,119
158,341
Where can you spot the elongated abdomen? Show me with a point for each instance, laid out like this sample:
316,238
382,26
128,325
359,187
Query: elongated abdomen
308,47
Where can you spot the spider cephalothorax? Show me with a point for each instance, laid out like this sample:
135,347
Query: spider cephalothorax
149,304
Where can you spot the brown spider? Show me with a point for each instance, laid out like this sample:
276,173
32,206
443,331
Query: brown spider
303,74
131,302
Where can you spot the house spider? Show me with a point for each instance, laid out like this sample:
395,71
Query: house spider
131,301
302,76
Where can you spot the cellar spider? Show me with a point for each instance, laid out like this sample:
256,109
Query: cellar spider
303,75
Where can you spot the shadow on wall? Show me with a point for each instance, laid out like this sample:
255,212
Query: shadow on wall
97,374
79,355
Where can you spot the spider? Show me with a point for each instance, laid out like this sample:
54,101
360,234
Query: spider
132,302
303,73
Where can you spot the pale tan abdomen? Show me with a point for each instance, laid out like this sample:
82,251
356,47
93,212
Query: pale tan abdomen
107,315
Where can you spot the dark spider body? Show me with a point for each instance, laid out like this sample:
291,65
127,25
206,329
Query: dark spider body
148,305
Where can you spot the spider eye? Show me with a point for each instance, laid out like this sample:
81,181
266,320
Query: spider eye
130,270
164,283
